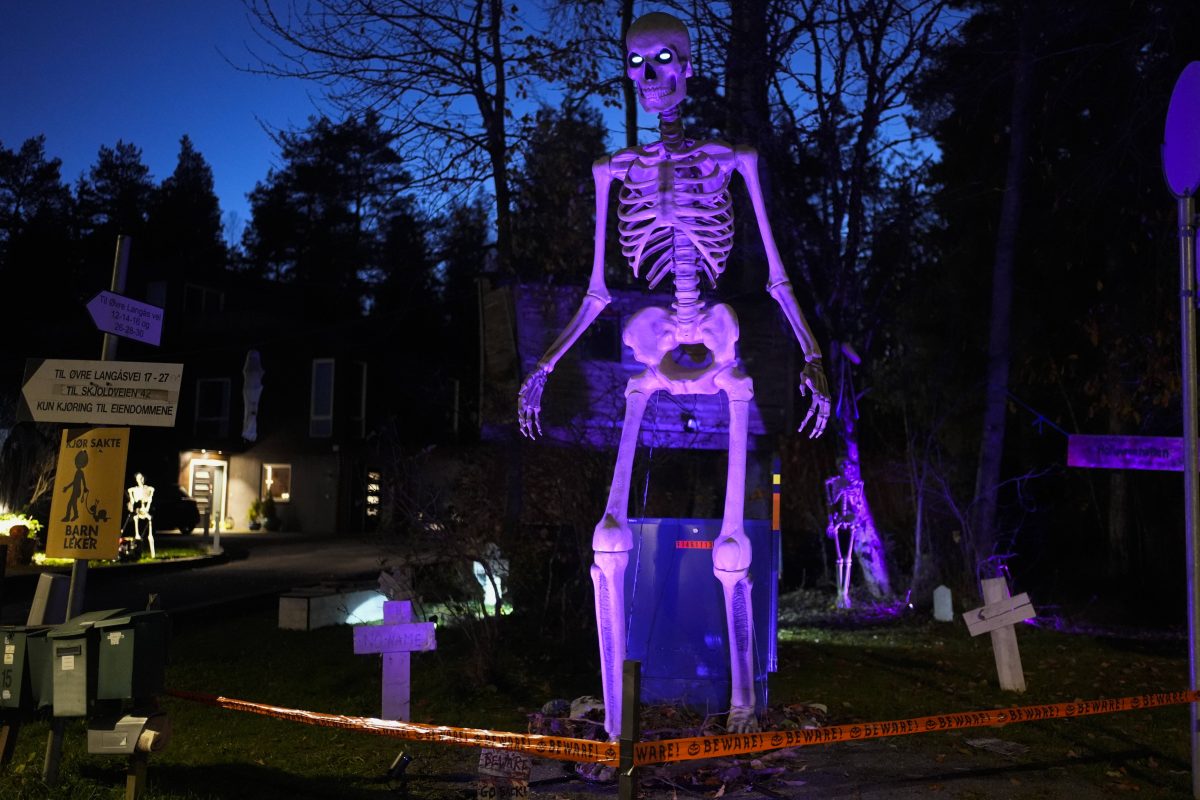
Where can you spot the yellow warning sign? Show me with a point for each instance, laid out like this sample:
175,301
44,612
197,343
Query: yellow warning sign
85,514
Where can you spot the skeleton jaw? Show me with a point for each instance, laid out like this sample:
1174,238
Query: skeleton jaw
658,97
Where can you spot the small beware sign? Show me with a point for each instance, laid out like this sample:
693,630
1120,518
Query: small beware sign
503,774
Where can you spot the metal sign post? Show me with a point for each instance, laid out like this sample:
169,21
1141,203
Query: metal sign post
79,567
1181,167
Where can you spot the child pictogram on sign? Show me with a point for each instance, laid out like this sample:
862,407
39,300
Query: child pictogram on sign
77,487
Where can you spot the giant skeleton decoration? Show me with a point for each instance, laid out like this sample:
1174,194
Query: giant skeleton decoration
675,217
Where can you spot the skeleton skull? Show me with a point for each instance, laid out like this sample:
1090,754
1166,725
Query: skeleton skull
658,60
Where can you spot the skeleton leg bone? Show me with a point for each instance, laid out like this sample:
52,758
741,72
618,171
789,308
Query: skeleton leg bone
845,562
732,556
611,544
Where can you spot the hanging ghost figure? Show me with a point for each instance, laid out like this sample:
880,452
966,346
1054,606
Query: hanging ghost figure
675,218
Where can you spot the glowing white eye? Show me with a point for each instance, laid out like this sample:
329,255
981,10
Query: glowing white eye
636,60
664,57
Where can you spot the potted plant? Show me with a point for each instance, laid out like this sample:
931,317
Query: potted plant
256,514
270,515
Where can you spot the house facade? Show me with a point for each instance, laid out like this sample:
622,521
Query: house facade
276,402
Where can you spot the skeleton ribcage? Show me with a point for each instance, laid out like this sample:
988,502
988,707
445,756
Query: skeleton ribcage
662,199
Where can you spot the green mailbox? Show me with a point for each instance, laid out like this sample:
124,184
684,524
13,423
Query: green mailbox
74,662
41,669
132,650
24,673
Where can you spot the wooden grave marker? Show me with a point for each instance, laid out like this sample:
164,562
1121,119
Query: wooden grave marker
396,639
997,617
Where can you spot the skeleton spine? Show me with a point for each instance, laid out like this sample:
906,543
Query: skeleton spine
670,128
687,278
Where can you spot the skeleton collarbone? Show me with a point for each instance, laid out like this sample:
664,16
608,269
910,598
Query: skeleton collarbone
675,214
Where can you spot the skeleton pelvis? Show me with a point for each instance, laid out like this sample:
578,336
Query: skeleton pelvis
684,357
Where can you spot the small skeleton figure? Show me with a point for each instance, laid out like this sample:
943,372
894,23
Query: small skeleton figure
675,218
140,497
844,494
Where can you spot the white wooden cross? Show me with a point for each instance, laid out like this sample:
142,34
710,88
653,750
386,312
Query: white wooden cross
396,639
997,617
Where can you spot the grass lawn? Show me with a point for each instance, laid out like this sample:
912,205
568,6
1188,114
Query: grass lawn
861,672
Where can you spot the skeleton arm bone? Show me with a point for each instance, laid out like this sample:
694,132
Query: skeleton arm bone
529,399
780,289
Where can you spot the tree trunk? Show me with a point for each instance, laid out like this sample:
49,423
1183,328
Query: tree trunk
868,544
497,139
1118,492
987,478
631,101
748,73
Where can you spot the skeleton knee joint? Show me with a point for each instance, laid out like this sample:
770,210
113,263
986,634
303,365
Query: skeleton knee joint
612,536
731,554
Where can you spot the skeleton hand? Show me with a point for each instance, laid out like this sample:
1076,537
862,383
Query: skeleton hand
529,403
812,379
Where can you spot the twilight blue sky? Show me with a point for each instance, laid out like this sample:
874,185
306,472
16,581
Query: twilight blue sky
86,73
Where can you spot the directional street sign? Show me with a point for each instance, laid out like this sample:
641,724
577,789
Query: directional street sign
1125,452
132,319
85,512
100,392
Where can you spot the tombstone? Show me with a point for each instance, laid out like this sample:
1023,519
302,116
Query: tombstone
395,639
943,604
313,607
998,617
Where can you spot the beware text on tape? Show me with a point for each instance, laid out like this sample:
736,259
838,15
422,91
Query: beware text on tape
660,752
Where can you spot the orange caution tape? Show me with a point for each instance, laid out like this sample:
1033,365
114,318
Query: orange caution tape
665,750
557,747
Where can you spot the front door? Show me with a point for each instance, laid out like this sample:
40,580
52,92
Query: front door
208,489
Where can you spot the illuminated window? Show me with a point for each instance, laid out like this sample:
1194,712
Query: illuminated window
277,482
320,416
374,491
212,407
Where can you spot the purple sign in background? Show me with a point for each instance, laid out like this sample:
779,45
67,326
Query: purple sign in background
1164,453
121,316
1181,139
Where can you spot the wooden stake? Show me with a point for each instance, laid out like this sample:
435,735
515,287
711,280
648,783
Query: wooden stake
631,724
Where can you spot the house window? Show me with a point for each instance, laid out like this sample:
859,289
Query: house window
320,415
277,482
212,407
202,300
357,402
374,496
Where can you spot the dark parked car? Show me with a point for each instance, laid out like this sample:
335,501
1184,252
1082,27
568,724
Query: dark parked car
174,509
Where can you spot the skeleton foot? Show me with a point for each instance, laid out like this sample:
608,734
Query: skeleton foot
742,719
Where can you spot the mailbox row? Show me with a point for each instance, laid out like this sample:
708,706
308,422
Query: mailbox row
114,655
